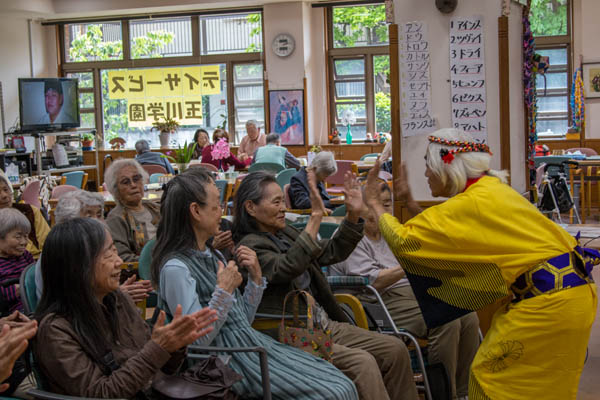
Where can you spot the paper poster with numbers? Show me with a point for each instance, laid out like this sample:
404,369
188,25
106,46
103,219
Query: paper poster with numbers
467,76
415,80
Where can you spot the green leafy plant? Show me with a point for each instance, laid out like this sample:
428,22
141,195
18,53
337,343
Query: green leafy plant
181,155
167,125
87,137
548,17
351,24
316,149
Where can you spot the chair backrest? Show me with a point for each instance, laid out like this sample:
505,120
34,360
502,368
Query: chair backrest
343,166
74,178
222,186
269,167
208,166
154,169
362,158
286,194
27,289
31,194
583,150
145,260
284,177
59,190
154,178
327,229
339,211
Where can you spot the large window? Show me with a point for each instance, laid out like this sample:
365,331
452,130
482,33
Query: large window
359,67
205,71
550,24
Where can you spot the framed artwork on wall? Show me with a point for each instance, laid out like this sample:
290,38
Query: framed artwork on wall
591,79
286,115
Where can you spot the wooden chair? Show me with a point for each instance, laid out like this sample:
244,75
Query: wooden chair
75,178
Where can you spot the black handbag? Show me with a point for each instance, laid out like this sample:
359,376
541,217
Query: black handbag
209,379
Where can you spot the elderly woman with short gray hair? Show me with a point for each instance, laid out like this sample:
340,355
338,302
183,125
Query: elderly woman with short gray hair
324,165
132,223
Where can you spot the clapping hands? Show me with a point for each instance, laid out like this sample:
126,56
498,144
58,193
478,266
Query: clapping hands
184,329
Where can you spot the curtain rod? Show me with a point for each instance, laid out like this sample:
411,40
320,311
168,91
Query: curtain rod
345,3
149,16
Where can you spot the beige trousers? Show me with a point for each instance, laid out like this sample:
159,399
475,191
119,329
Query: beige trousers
379,365
453,344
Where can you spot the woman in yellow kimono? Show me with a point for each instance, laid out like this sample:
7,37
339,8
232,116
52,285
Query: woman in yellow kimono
485,243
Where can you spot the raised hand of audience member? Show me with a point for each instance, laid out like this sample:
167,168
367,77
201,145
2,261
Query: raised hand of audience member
247,258
352,197
14,320
228,277
372,198
403,193
137,290
184,329
316,202
223,240
13,342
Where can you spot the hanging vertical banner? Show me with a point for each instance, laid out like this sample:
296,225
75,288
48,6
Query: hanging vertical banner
415,80
467,76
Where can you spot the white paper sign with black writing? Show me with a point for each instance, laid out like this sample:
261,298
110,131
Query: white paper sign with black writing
467,76
415,80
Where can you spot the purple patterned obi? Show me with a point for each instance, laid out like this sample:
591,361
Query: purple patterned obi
563,272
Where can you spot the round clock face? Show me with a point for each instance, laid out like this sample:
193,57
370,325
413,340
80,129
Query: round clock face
283,45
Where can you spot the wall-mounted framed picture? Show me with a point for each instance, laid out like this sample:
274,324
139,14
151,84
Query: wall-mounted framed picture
591,79
286,115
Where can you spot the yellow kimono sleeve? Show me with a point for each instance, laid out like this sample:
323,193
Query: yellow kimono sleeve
41,232
447,285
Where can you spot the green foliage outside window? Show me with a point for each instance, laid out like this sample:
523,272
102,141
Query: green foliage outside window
90,47
352,24
254,19
548,17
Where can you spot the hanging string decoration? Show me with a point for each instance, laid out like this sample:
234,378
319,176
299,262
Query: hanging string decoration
578,101
530,98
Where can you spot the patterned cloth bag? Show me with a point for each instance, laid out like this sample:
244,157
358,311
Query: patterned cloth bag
307,337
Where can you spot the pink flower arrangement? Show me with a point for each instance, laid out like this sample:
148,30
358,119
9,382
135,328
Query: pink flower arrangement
221,150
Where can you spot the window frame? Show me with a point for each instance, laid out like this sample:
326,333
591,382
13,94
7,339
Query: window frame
558,42
65,67
365,52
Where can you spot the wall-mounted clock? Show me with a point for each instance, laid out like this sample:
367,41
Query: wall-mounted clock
283,45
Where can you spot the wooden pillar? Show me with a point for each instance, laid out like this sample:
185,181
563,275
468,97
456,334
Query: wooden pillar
395,111
504,86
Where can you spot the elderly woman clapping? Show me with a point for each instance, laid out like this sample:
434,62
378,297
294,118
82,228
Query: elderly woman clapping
131,223
323,166
91,340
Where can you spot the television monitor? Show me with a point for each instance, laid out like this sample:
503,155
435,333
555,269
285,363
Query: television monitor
48,104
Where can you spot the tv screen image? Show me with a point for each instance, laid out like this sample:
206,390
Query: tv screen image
48,103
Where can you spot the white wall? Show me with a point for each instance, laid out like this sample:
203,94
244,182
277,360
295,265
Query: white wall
413,148
16,59
586,31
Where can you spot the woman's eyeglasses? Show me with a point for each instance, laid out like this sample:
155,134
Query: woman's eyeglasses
135,179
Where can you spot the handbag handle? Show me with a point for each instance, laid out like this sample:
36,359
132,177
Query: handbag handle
310,301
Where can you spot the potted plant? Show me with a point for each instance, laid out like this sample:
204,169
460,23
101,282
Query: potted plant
181,156
87,141
166,127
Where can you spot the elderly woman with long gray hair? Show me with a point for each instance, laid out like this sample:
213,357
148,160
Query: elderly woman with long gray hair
132,223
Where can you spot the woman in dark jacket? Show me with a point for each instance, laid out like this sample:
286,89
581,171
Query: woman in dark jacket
92,341
378,364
